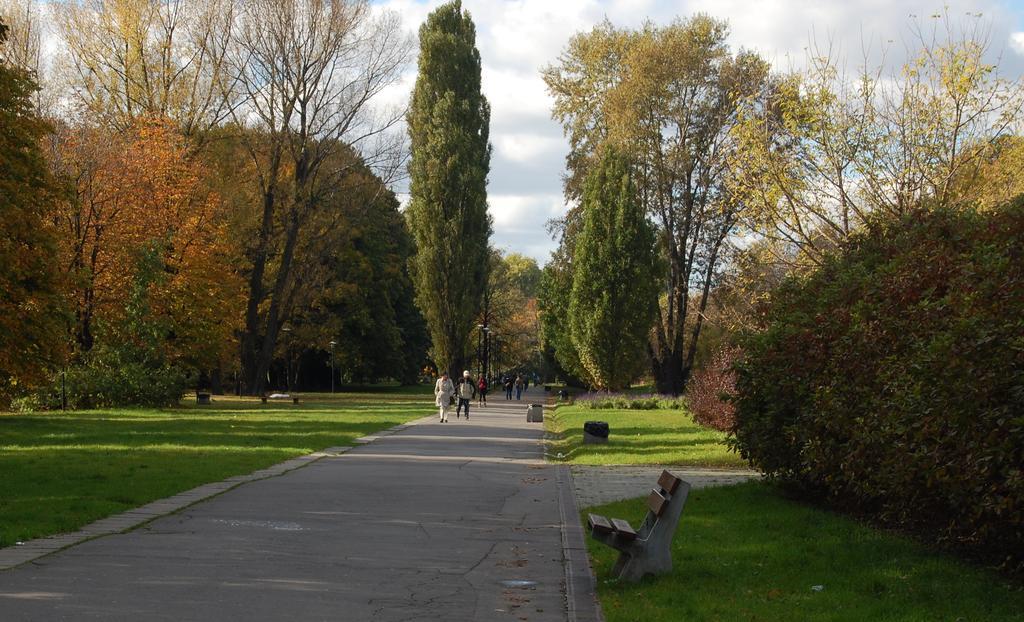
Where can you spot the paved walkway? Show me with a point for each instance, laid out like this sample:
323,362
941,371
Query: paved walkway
425,521
596,485
455,521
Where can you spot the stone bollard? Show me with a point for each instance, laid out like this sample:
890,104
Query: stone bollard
535,413
595,432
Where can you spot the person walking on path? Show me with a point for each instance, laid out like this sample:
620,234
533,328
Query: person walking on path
481,388
519,387
443,392
466,391
508,387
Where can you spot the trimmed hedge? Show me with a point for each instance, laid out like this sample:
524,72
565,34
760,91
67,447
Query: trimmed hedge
622,401
891,380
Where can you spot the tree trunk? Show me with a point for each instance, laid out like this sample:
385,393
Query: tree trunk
84,320
668,372
265,354
252,381
667,354
217,381
698,323
461,364
278,310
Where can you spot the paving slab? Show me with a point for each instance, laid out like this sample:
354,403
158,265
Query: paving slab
454,521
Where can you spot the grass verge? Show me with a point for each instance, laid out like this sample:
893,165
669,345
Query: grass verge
746,553
637,437
60,471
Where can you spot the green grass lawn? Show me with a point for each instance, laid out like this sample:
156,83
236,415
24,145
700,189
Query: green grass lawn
60,471
746,553
637,437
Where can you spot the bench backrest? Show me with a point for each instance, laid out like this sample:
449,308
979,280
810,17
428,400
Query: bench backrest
668,482
659,499
656,502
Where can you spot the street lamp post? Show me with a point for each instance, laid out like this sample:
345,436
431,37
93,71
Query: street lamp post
480,350
487,352
333,343
287,358
497,354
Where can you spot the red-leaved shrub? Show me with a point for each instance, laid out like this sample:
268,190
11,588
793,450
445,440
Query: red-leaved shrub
707,388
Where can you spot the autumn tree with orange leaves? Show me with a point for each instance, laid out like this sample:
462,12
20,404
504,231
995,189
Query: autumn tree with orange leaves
188,221
133,191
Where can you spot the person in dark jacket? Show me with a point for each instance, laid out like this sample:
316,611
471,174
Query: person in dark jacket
481,388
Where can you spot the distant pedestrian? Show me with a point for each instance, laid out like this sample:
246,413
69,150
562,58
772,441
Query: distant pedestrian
509,383
526,382
481,390
519,387
444,390
466,391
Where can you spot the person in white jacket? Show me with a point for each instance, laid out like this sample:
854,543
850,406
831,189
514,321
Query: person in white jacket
443,392
465,390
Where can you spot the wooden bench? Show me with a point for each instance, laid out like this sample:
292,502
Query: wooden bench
647,550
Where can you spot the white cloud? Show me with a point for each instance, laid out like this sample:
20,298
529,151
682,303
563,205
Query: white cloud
1017,42
520,220
515,96
516,212
526,148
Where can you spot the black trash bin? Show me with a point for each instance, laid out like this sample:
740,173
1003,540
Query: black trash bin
595,432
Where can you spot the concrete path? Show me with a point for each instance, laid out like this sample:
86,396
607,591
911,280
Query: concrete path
597,485
456,521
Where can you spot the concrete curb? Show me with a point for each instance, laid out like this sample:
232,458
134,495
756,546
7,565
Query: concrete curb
580,586
13,556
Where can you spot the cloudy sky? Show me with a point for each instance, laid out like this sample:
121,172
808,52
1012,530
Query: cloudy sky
517,38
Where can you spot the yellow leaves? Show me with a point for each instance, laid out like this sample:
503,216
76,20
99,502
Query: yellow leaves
997,178
832,148
127,59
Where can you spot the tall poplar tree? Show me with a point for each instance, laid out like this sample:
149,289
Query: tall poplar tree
615,282
449,120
